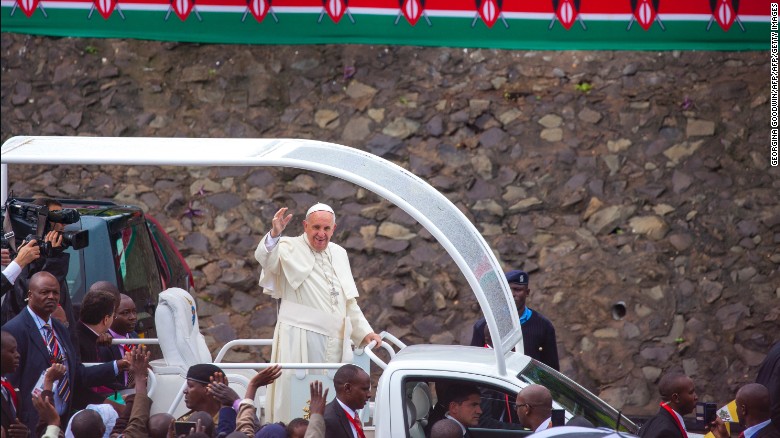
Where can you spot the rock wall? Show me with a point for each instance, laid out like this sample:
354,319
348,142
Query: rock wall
640,179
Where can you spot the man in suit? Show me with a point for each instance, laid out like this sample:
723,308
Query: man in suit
538,332
679,398
43,341
463,406
753,410
56,262
534,407
123,327
353,389
97,314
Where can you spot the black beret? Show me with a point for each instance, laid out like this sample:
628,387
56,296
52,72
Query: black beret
202,371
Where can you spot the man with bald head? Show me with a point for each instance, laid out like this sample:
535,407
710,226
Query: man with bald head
446,428
753,411
159,425
534,407
678,395
319,317
43,341
87,424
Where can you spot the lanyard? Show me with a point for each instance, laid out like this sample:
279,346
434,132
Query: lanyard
355,424
676,420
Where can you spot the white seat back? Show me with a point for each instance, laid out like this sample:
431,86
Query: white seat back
180,340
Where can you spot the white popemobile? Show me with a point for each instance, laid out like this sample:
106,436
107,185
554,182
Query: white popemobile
405,394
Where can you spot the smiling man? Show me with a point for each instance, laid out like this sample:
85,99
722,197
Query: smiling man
319,316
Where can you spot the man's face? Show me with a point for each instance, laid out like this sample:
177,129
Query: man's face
9,355
468,411
53,225
126,317
687,397
520,293
319,228
195,395
359,392
522,411
44,295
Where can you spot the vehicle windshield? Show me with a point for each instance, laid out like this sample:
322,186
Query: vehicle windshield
574,398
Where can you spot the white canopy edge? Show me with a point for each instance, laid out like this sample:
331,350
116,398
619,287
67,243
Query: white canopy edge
420,200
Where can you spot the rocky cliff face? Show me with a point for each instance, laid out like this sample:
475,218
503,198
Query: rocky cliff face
635,187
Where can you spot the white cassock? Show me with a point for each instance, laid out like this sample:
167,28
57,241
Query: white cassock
318,316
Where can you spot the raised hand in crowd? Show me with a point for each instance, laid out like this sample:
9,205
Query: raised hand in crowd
46,411
139,362
263,378
53,374
219,389
318,398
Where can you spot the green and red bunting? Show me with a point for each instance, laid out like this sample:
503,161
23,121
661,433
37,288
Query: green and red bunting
508,24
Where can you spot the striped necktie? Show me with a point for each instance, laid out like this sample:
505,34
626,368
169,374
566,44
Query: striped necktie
56,357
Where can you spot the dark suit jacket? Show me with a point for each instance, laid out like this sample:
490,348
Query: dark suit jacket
5,285
35,360
6,418
768,431
538,339
336,423
662,425
769,376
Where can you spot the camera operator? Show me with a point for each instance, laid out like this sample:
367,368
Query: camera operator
28,252
55,262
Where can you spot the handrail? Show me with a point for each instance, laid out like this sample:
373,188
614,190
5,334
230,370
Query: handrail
393,339
134,341
237,342
374,358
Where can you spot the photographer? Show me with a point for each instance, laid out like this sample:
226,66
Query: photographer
55,262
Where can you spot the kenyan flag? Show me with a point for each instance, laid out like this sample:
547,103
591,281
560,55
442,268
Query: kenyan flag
508,24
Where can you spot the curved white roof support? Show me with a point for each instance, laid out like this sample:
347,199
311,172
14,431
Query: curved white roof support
424,203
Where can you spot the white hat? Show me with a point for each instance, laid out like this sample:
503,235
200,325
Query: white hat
321,207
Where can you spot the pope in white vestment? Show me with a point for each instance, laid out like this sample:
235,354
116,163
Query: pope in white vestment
318,316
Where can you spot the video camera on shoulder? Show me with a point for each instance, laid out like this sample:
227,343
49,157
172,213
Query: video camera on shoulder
34,221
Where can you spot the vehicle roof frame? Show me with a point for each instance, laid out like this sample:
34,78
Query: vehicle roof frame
451,228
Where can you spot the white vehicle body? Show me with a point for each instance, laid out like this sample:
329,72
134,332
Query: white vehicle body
497,368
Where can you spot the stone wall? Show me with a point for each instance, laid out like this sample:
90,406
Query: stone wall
639,178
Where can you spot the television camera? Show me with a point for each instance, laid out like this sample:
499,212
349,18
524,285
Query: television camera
34,222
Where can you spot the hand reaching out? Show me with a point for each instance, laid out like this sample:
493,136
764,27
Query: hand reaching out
224,394
264,377
46,411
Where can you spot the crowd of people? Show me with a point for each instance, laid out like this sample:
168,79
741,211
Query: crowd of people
47,391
